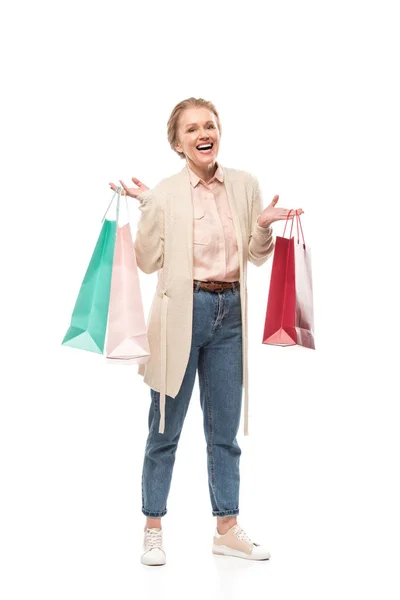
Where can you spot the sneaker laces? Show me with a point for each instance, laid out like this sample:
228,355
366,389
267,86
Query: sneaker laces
242,535
153,538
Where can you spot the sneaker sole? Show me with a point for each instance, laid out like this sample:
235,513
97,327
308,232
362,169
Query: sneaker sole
225,551
155,564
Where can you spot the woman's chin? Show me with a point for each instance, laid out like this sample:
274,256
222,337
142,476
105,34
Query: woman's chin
206,159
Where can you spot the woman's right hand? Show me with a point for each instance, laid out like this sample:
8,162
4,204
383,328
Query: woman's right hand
133,192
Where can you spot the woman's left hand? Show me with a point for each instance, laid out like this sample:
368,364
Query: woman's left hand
271,214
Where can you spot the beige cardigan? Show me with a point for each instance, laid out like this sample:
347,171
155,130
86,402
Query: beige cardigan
164,243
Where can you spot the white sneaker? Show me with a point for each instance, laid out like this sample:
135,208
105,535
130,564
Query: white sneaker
236,542
153,553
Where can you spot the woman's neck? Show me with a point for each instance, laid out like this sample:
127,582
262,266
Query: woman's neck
206,173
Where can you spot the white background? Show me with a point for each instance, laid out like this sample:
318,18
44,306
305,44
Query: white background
308,98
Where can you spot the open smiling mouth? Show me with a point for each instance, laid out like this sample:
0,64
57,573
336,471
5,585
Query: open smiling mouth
205,148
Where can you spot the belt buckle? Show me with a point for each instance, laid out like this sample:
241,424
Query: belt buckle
215,287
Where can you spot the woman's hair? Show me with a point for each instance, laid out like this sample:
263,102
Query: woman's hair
173,121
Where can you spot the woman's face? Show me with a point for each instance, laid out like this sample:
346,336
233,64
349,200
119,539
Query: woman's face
198,126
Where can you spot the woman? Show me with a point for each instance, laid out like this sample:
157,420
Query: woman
198,229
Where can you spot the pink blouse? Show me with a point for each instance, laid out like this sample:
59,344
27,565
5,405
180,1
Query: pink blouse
215,249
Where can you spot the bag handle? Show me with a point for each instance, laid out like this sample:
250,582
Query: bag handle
298,221
127,206
117,191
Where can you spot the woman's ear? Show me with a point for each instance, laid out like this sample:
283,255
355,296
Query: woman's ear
178,146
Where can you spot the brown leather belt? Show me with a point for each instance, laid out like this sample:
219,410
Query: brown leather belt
215,286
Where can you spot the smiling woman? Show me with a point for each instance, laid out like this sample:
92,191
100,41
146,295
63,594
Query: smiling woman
198,229
192,127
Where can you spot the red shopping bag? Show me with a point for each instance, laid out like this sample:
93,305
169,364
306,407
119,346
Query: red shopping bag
290,316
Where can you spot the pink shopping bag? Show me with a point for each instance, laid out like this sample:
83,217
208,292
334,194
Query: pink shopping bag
127,333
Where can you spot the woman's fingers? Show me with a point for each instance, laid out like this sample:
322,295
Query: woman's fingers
115,188
274,200
287,213
292,210
128,191
140,184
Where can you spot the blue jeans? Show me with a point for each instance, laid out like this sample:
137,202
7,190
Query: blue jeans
216,352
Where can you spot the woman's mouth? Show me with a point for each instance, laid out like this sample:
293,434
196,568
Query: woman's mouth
205,148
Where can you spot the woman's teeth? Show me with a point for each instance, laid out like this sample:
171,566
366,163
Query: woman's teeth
206,150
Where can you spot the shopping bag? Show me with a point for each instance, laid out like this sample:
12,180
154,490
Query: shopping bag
290,316
89,318
127,333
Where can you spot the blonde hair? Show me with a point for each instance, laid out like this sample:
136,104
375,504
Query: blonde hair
173,121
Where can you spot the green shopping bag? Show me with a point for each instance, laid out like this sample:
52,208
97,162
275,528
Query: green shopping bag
88,326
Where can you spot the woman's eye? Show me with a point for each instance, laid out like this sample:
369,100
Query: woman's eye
192,128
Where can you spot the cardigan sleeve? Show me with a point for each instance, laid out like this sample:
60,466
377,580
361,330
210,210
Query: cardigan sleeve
149,242
261,241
